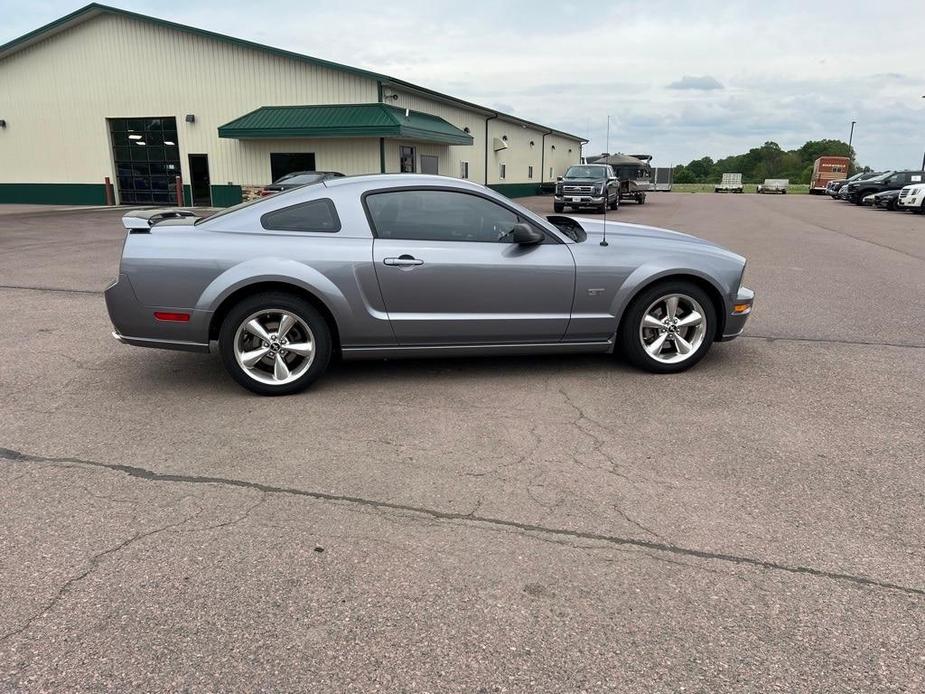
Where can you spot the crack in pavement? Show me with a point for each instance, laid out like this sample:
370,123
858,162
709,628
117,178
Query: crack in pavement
51,289
828,340
93,563
437,515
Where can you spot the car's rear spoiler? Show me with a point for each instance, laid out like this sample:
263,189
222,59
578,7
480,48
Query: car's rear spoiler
143,220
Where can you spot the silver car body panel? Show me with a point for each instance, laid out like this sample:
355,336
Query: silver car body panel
463,298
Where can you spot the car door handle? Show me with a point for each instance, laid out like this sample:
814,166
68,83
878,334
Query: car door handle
403,261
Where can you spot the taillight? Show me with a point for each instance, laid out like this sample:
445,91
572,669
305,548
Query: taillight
173,317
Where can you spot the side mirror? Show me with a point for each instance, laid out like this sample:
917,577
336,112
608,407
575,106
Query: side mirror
611,179
558,178
526,235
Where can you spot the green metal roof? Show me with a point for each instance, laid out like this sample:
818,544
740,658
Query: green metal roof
95,9
343,120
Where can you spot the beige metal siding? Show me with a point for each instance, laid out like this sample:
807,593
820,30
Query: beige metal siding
57,93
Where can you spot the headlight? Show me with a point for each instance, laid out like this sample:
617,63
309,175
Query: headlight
599,189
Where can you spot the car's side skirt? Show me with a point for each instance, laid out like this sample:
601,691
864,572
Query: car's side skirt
419,351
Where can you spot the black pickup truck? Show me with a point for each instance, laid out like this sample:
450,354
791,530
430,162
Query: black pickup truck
891,180
588,185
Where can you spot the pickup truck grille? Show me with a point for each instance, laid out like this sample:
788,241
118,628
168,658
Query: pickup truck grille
577,190
904,193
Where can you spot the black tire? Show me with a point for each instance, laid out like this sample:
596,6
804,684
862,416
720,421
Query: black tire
272,301
641,198
557,208
616,203
629,334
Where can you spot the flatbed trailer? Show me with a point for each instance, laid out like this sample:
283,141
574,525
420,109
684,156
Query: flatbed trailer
731,183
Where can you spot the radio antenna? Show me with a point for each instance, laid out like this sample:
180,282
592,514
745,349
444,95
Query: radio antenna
606,188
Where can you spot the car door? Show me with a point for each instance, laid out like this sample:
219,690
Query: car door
449,273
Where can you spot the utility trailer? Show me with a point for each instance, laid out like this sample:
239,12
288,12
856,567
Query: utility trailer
633,171
774,185
662,178
731,183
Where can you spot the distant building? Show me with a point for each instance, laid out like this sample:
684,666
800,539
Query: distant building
107,93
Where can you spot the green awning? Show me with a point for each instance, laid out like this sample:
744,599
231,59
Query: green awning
343,120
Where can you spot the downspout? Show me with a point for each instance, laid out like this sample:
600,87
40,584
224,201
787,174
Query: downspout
381,139
543,158
486,145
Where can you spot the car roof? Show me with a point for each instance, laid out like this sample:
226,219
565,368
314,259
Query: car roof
371,181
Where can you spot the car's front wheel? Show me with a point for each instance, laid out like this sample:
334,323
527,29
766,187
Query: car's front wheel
275,343
668,328
557,208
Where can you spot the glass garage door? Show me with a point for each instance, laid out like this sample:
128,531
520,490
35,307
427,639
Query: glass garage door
147,159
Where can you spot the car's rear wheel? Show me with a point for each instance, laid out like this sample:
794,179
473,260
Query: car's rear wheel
668,328
275,343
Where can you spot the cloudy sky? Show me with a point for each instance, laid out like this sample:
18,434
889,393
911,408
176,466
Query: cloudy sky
680,80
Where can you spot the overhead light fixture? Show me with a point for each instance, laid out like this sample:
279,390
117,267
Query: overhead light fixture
139,142
190,118
168,142
134,137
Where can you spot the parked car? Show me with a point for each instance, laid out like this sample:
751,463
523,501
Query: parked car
891,180
587,185
912,198
397,265
888,199
835,187
730,183
774,185
296,179
826,169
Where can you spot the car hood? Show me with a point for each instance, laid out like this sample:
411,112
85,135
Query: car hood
581,181
595,230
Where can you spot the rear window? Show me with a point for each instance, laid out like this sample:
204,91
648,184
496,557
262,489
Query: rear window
314,215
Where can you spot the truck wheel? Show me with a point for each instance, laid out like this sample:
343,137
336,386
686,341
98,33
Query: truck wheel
557,207
615,203
641,199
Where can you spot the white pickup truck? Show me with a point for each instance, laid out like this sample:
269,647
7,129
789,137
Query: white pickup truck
774,185
731,183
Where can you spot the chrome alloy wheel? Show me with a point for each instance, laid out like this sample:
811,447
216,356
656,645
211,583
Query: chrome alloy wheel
274,346
673,328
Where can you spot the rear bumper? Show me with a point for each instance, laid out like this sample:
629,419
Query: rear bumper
135,323
736,320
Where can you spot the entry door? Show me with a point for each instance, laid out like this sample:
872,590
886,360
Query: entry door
200,185
449,274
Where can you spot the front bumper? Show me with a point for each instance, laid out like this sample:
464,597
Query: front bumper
736,320
912,201
135,323
589,200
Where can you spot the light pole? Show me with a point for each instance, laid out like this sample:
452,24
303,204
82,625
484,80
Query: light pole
851,135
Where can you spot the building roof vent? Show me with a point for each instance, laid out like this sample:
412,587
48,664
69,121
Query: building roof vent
499,144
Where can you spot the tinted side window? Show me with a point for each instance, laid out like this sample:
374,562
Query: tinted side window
439,215
314,215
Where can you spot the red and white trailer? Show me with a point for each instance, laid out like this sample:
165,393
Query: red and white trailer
827,169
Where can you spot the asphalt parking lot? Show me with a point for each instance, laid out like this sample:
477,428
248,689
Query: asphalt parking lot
480,525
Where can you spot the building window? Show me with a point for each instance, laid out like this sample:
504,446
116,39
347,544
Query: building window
550,173
287,163
406,157
464,169
529,172
502,174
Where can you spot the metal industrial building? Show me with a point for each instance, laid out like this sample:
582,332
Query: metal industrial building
105,93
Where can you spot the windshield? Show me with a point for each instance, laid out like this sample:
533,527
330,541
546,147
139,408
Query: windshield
301,179
586,172
881,177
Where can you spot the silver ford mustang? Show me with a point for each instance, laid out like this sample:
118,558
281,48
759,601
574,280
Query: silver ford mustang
406,266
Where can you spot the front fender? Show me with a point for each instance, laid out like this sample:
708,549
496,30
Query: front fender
648,273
